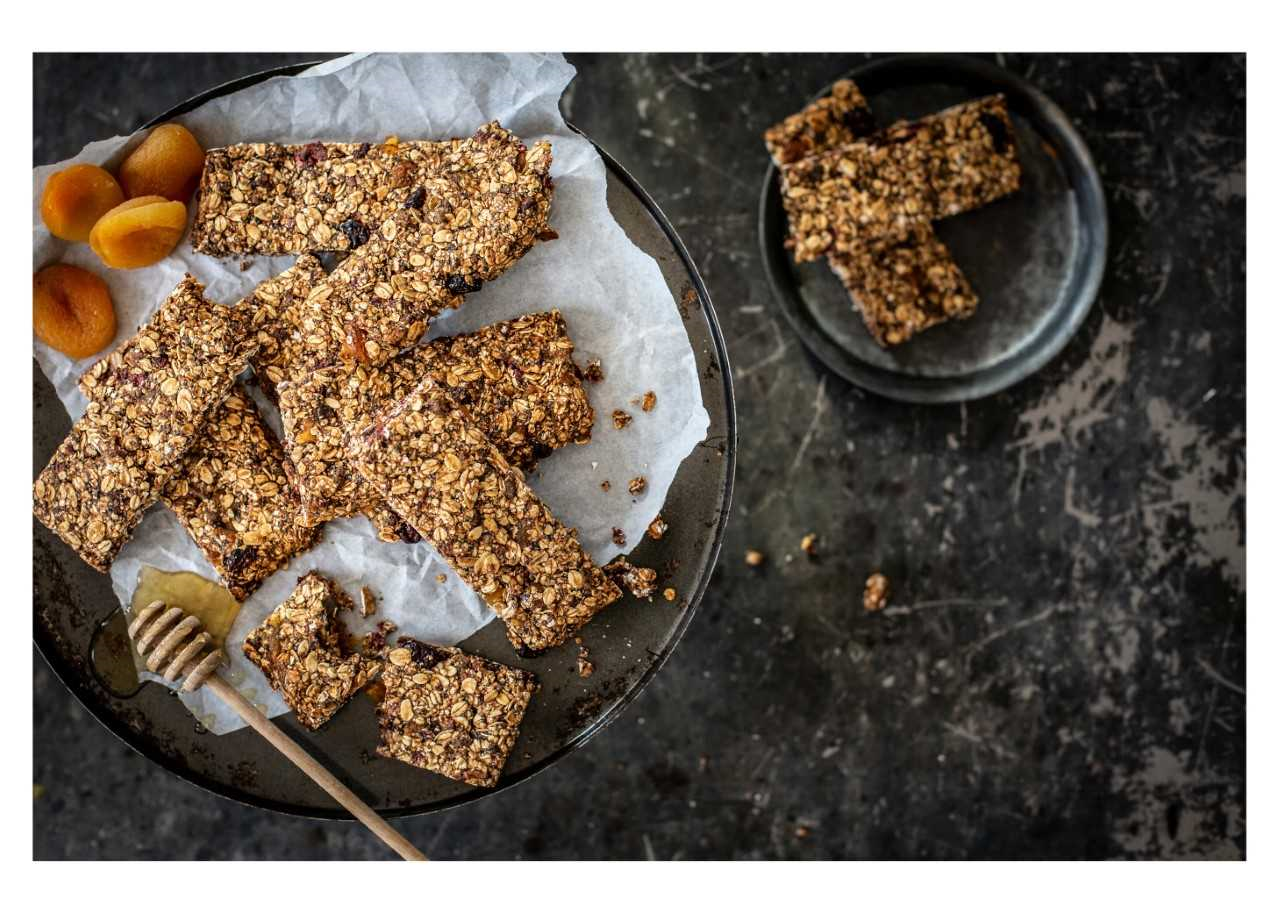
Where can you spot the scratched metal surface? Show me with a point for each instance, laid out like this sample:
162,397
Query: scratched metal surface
1060,672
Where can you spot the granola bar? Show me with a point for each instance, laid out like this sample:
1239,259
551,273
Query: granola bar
299,648
274,310
90,499
450,712
516,378
901,286
267,198
443,476
233,496
909,174
154,392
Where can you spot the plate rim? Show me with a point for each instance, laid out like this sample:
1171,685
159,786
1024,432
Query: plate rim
1018,365
45,643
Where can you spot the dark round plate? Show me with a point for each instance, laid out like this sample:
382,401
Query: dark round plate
628,643
1035,258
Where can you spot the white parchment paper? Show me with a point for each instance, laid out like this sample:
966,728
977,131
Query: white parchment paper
613,297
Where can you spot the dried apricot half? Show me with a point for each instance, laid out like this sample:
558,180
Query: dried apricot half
138,232
167,164
75,198
72,310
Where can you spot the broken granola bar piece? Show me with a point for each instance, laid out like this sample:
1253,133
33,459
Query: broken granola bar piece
639,581
909,174
299,648
450,712
233,496
274,310
439,472
834,120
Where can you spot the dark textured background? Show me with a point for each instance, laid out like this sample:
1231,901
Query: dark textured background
1061,671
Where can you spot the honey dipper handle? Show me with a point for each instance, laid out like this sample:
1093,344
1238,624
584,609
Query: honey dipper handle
313,769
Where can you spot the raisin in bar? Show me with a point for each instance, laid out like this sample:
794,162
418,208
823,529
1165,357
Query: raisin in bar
911,173
902,286
516,378
233,496
148,404
267,198
450,712
299,648
439,472
154,392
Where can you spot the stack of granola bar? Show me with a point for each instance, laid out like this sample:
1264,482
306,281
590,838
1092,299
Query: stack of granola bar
867,198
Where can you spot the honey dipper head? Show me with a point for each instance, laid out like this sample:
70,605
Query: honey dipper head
170,636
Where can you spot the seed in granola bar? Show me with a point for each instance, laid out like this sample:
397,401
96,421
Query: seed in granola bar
457,284
356,232
621,419
138,232
619,538
310,154
670,594
810,543
876,593
658,528
637,485
72,310
167,164
755,558
75,198
593,372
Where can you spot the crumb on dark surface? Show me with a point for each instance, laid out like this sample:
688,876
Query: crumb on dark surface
875,595
639,581
810,544
755,558
658,528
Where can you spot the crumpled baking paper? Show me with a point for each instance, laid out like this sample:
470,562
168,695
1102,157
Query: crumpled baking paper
613,297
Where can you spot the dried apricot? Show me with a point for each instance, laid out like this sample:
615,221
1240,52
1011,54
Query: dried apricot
72,310
167,164
75,198
138,232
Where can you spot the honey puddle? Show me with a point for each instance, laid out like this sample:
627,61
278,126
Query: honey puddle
115,661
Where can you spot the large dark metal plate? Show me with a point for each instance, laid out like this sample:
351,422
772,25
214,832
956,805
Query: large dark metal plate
1035,258
629,642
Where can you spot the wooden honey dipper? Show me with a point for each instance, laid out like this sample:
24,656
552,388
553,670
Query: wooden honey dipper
170,638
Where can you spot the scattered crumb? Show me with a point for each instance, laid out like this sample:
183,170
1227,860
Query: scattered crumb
376,641
670,594
755,558
585,666
646,402
621,419
245,264
810,543
577,640
593,372
441,578
639,581
619,538
606,485
802,831
876,593
637,485
368,605
658,528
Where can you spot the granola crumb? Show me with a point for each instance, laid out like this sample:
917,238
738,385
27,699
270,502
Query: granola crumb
641,582
670,594
637,485
368,603
648,401
593,372
376,641
810,543
441,578
585,666
802,831
245,264
755,558
876,593
606,485
621,419
658,528
619,538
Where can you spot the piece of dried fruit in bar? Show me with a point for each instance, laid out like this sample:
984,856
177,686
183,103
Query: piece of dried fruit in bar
75,198
167,164
139,232
72,311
